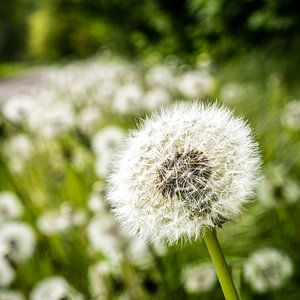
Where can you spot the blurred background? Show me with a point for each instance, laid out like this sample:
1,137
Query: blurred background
75,76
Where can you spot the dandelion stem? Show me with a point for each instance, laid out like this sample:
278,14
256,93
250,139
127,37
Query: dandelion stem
220,265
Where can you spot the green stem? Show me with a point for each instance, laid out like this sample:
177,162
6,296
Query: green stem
220,265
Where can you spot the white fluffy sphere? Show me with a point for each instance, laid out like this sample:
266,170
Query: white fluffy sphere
188,168
267,269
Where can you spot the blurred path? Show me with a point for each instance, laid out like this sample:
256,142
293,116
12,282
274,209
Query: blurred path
19,84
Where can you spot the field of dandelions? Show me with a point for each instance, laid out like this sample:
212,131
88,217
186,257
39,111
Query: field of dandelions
58,237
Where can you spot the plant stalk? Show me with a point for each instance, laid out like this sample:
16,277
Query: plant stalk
220,265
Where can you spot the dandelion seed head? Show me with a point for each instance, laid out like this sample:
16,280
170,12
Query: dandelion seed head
54,288
267,269
187,168
7,273
10,206
199,278
18,239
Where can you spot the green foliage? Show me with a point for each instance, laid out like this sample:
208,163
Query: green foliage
181,28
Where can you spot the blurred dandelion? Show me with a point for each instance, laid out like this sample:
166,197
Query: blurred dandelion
18,240
10,206
7,272
54,288
291,115
199,278
103,234
267,269
102,277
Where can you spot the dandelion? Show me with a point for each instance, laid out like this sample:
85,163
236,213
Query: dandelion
138,253
105,143
54,288
186,169
232,93
291,115
18,239
128,99
61,220
7,273
97,199
10,206
52,118
156,98
18,109
103,234
185,172
103,277
88,118
267,269
199,278
18,149
107,140
277,188
160,76
196,84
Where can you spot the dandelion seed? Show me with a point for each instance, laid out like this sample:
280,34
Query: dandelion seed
267,269
186,169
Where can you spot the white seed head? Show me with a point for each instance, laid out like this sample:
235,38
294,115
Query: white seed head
128,99
188,168
18,239
10,206
103,235
277,188
97,199
61,220
199,278
138,253
105,144
195,84
156,98
101,278
107,140
267,269
291,115
54,288
7,273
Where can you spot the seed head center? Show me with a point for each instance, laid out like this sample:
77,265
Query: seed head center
183,175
